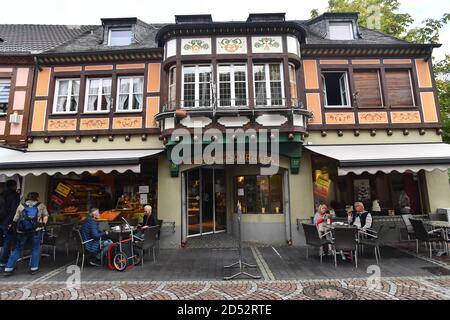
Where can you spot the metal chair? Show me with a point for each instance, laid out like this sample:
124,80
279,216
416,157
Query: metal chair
313,238
81,250
428,237
149,242
437,216
408,225
64,236
371,238
345,240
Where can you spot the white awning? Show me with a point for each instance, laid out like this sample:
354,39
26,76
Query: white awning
51,162
387,157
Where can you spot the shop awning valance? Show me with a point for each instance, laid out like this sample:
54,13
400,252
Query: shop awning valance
387,157
51,162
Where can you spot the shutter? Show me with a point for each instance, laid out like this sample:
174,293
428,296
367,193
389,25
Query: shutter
367,85
5,86
398,85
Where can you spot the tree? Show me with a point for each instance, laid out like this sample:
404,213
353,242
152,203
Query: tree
442,73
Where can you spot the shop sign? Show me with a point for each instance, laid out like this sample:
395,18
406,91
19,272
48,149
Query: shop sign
322,184
63,189
144,189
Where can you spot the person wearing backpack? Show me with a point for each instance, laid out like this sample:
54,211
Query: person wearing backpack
9,201
29,223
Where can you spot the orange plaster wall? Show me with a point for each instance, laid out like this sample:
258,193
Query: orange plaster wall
313,105
334,61
396,61
153,77
94,124
428,107
340,118
311,76
38,123
6,69
99,67
2,127
127,123
130,66
62,124
423,74
43,82
372,117
64,69
366,61
405,117
22,77
152,110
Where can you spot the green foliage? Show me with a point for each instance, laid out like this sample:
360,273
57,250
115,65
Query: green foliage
442,73
429,32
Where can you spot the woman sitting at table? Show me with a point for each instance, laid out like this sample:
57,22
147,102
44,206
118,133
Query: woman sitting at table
320,221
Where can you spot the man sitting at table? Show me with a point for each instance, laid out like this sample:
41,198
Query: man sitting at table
91,231
148,221
361,218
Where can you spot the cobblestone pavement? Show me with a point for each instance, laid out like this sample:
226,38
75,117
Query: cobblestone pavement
398,288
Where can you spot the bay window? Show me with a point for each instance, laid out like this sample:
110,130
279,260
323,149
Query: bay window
232,85
130,92
5,88
260,194
172,88
98,95
197,86
293,85
66,96
268,84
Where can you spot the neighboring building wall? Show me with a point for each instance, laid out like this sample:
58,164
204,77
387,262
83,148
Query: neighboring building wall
21,77
36,184
438,189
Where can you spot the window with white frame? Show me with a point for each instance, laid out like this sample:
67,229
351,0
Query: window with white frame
66,96
98,95
335,89
232,85
293,85
341,30
268,80
172,88
197,86
5,88
130,91
120,36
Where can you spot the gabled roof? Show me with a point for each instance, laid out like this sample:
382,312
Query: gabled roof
23,39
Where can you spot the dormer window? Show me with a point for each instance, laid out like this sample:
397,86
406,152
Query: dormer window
120,36
341,30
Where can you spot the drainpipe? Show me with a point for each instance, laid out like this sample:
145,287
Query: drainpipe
183,210
287,207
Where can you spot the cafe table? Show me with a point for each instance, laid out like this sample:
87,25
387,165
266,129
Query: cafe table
445,226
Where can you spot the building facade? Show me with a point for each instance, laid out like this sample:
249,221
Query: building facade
192,117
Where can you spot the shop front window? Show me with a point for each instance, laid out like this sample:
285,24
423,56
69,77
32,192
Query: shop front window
259,194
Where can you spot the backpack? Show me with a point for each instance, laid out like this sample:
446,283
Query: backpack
28,219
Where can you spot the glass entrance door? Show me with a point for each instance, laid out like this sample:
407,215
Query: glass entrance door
206,201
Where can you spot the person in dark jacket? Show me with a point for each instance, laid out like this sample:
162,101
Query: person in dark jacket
91,231
10,201
149,220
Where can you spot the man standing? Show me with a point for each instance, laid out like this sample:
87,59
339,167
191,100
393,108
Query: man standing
29,221
362,219
9,201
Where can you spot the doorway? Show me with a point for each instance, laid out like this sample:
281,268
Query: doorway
206,201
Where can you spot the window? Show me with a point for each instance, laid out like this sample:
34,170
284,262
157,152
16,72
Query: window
268,84
66,96
98,95
399,87
341,31
5,88
120,36
335,89
196,86
260,194
232,85
172,88
130,93
293,85
368,88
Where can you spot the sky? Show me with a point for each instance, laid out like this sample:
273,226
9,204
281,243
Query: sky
91,11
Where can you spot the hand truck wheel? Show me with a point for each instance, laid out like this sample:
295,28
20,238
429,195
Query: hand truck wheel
120,261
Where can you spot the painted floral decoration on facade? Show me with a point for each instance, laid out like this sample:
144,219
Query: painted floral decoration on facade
196,45
267,43
405,117
231,45
373,117
69,124
95,123
340,117
128,123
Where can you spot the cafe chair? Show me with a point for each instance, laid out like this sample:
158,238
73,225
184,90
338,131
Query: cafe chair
148,242
428,237
345,240
371,238
409,228
313,239
64,236
81,251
